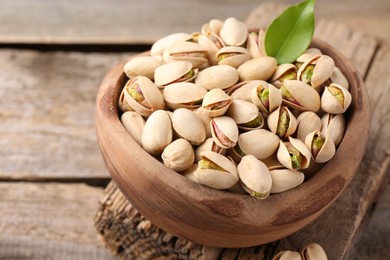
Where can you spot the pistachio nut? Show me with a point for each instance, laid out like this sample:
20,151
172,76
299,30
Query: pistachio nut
266,97
218,76
204,117
189,173
285,179
157,133
142,65
339,78
233,32
216,171
174,72
212,42
160,45
233,56
186,51
313,251
243,90
294,154
322,147
335,99
261,68
287,255
245,114
208,145
214,26
334,126
216,102
224,131
184,95
282,122
298,95
307,55
255,44
134,124
254,176
260,143
143,96
308,121
283,72
188,126
122,104
178,155
316,71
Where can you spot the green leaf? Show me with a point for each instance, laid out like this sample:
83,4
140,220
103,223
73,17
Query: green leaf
289,35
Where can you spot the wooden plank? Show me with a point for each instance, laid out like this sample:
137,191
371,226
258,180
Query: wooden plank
47,113
49,221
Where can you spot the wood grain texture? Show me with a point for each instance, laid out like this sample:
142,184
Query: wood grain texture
49,221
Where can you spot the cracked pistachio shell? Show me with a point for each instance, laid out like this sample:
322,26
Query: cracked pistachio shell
303,97
339,78
283,154
224,131
242,90
323,69
208,145
255,44
244,112
174,72
224,176
134,124
308,121
327,150
287,255
335,104
160,45
233,56
214,25
203,116
157,133
334,126
188,126
218,76
178,155
283,72
186,51
212,43
285,179
233,32
216,102
308,55
254,176
282,122
143,65
271,103
122,104
184,95
260,143
143,96
261,68
313,251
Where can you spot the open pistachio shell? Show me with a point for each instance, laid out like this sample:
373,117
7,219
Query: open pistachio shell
122,103
174,72
184,94
134,124
186,51
216,171
157,133
294,154
216,102
243,113
255,177
204,117
300,96
224,131
260,68
188,126
322,147
178,155
335,99
260,143
308,121
255,44
339,78
283,72
313,251
143,65
214,25
243,90
233,32
334,126
285,179
208,145
160,45
143,96
282,122
306,56
212,42
233,56
266,97
316,70
218,76
287,255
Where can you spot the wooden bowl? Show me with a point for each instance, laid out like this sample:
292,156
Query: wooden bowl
217,218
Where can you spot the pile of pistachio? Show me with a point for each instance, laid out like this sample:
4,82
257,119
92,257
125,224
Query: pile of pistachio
213,107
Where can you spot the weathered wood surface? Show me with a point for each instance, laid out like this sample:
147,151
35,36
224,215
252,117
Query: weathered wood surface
49,221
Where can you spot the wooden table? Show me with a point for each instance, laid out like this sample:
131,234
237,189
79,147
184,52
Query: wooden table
51,171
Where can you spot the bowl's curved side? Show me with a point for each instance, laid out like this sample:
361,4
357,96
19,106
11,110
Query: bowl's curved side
217,218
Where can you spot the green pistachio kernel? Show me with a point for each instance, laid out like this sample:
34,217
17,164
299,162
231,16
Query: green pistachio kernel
263,96
283,123
135,94
256,122
337,93
226,55
285,93
296,158
307,74
207,164
288,75
237,148
317,144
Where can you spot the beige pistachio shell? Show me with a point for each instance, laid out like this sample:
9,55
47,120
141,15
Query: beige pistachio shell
203,116
259,143
308,121
287,255
189,173
174,72
282,122
188,126
178,155
283,72
270,104
143,65
224,177
284,155
152,99
334,126
218,76
233,32
338,103
214,25
224,131
308,55
157,133
303,97
160,45
233,56
212,43
208,145
323,69
134,124
339,78
254,176
261,68
186,51
122,104
184,94
242,111
313,251
327,150
285,179
216,102
255,44
243,90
